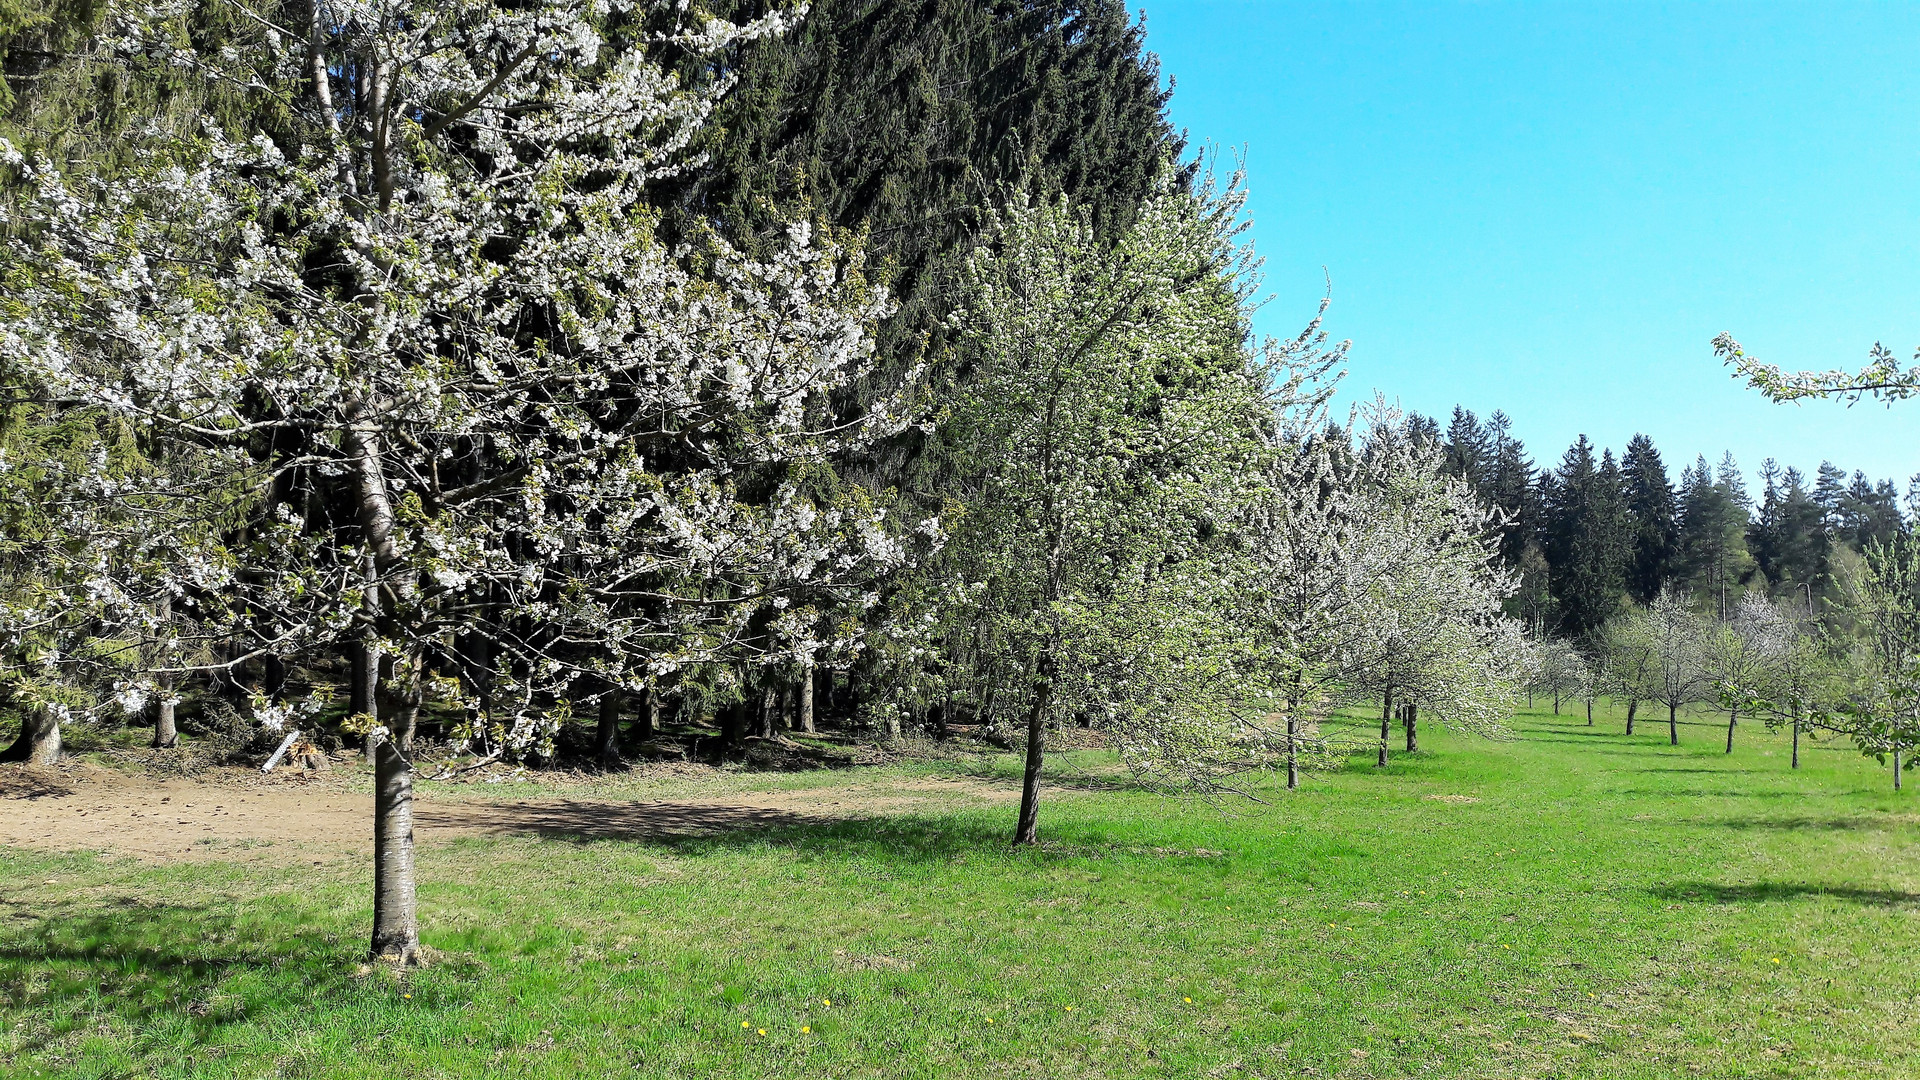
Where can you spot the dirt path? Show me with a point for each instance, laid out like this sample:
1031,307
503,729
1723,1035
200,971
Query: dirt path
239,815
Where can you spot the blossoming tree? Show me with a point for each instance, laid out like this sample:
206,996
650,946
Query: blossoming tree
428,381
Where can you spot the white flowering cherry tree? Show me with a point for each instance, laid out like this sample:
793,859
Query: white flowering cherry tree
427,379
1439,639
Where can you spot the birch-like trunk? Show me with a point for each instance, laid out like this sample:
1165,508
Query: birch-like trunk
396,932
806,699
396,925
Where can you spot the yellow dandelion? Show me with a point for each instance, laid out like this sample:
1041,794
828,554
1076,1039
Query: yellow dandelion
1069,1008
828,1002
1506,946
1187,1000
410,995
805,1030
743,1023
763,1031
989,1019
1776,959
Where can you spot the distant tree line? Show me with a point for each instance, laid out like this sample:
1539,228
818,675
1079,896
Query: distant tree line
1597,533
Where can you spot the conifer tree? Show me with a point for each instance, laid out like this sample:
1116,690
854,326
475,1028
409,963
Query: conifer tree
1586,538
1650,511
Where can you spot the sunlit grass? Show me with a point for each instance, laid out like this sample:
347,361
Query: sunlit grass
1571,903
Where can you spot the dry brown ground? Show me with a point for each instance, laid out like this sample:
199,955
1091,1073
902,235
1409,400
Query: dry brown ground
294,817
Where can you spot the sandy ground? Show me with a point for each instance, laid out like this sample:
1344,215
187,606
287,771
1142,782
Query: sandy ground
291,817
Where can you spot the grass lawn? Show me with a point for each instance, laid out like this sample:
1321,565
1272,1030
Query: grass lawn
1571,903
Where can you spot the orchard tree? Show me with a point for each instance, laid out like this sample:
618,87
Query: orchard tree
1739,655
1677,675
1434,634
1881,711
1561,671
1628,658
1110,405
424,379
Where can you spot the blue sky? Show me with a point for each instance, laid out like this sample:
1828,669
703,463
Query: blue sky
1552,208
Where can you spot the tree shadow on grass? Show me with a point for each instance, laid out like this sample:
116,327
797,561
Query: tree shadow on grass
1706,793
699,830
158,965
1764,891
1808,823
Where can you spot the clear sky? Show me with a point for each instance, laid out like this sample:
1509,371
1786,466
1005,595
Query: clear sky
1551,208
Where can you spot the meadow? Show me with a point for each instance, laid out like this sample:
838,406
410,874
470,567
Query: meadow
1571,902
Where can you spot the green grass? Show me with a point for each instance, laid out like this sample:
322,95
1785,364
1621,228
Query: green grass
1608,907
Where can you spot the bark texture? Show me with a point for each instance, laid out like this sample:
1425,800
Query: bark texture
1386,719
607,734
165,733
1028,829
39,741
396,926
806,700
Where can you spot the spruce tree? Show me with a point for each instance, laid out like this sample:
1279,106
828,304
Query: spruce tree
1586,538
1650,511
913,119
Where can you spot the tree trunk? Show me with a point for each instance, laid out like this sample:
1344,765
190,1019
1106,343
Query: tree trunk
402,692
1556,703
1413,731
1733,717
1896,768
733,723
1028,829
787,706
396,925
1673,725
1386,715
1796,742
769,706
606,737
165,734
806,699
1293,754
360,681
39,741
1589,712
1633,706
647,723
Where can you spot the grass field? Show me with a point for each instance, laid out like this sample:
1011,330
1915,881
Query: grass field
1571,903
